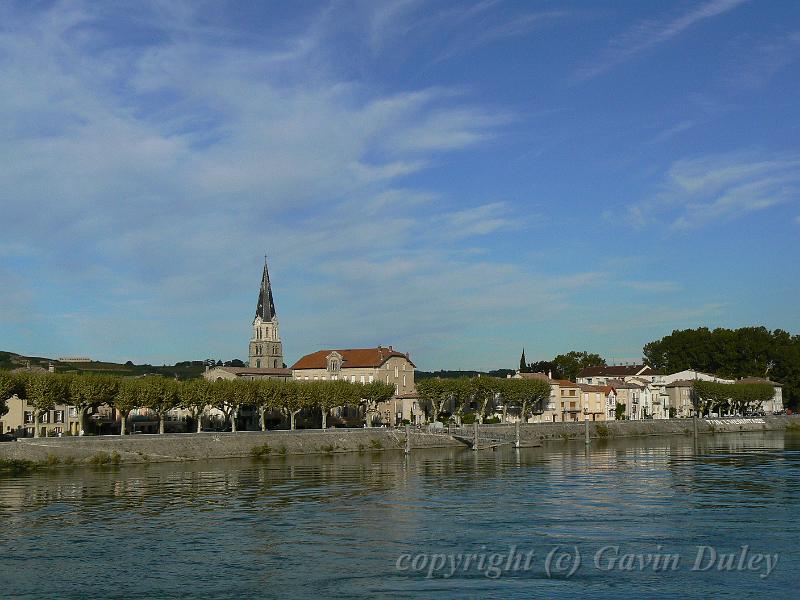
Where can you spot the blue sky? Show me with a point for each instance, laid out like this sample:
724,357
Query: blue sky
457,179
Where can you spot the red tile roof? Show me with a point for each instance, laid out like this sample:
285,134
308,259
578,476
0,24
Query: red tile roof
255,371
591,388
542,376
351,358
682,383
564,383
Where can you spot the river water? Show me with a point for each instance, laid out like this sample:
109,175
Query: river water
391,526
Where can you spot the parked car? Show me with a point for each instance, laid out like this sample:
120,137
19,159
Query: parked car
8,437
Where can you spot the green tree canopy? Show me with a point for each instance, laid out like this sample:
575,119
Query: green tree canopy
195,395
126,399
567,366
91,390
160,395
712,396
527,395
732,353
44,391
225,398
10,384
433,394
485,391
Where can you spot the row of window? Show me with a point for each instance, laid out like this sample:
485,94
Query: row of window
274,364
260,350
267,333
334,365
362,378
45,417
30,431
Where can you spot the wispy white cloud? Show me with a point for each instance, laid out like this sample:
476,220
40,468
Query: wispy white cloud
648,34
451,29
754,64
699,191
674,130
488,31
480,220
160,172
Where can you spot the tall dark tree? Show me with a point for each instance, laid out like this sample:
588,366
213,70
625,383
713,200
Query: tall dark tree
546,367
570,364
744,352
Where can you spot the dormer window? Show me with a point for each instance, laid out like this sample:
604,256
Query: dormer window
334,363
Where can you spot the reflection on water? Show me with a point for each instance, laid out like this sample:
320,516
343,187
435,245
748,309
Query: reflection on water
335,525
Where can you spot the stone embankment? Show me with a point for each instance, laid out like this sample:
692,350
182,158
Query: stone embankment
142,448
543,432
180,447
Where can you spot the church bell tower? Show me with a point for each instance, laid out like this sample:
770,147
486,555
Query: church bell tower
266,349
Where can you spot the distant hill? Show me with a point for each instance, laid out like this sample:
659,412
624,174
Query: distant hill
182,370
188,369
502,373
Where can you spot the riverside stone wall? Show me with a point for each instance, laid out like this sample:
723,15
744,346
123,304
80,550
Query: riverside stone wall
191,446
179,447
543,432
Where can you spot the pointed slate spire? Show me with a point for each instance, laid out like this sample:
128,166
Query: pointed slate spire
266,305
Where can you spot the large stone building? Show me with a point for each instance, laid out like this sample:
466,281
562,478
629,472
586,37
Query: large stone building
365,365
359,365
266,348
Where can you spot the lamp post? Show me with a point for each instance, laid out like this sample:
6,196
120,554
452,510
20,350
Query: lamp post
586,424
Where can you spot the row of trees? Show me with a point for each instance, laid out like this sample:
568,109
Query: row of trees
743,352
160,395
481,395
722,398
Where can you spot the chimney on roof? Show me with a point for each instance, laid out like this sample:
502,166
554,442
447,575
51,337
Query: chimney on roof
391,349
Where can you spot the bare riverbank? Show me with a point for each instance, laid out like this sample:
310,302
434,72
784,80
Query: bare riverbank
185,447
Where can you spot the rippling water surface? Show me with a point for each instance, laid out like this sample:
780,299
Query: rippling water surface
320,527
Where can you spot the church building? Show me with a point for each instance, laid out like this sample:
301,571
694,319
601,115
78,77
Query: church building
266,349
265,353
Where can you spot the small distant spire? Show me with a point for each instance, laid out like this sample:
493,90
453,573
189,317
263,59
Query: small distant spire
266,305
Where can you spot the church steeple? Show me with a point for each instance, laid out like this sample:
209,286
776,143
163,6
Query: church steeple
266,305
266,348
